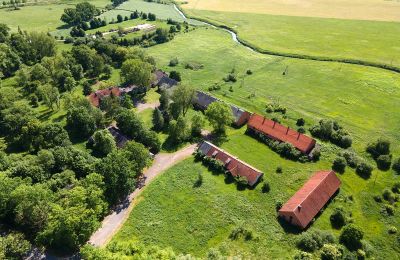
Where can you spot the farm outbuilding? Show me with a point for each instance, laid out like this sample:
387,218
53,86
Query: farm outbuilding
281,133
305,204
96,97
235,166
203,100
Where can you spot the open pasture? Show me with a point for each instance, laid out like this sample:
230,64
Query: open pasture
372,41
364,100
379,10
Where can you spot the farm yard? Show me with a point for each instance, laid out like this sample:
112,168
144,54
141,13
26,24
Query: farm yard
145,85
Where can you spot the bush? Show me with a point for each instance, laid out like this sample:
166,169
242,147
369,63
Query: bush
364,169
242,181
392,230
313,240
339,164
331,252
279,169
396,187
396,165
332,131
301,130
384,162
389,210
351,158
379,147
278,205
265,188
175,75
303,256
351,236
300,122
249,72
241,231
338,218
173,62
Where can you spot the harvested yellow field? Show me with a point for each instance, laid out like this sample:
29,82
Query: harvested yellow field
380,10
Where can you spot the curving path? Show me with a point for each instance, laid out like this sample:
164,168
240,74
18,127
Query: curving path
113,222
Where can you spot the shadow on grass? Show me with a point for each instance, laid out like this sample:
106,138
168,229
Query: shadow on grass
170,146
287,227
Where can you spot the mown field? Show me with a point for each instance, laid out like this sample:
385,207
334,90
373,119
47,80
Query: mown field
336,38
379,10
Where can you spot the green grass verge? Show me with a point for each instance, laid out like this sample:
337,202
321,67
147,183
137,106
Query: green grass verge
369,41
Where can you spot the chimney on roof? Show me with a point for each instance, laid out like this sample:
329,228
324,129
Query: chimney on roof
298,136
287,131
274,124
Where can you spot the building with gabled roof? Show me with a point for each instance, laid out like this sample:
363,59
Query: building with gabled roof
202,100
276,131
96,97
163,81
235,166
305,204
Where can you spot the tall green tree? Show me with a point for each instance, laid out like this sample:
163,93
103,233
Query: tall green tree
183,98
138,72
103,142
219,115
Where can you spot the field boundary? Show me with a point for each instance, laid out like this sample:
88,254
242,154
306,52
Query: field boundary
292,55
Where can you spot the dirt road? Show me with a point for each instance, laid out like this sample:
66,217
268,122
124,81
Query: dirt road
113,222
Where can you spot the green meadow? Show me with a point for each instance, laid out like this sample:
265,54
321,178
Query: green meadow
372,41
364,100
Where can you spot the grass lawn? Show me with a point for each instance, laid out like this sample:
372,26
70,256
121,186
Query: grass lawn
364,40
172,212
362,99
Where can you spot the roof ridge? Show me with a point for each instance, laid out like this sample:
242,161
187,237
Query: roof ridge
312,191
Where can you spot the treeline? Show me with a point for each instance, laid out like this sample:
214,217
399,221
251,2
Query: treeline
16,4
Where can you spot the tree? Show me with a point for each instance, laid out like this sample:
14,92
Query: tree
118,174
103,142
300,122
83,12
129,123
351,236
198,123
182,97
338,218
52,135
384,162
81,122
119,18
176,75
331,252
219,115
162,35
164,100
339,164
379,147
179,130
364,169
150,139
42,45
138,155
396,165
158,120
50,96
14,246
4,32
10,60
135,71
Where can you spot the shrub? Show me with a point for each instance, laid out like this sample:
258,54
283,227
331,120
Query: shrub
301,130
338,218
331,252
249,72
300,122
278,205
279,169
231,77
173,62
345,141
351,236
241,231
389,210
361,254
388,195
331,131
242,181
378,198
175,75
339,164
396,187
364,169
384,162
313,240
265,188
351,158
392,230
396,165
379,147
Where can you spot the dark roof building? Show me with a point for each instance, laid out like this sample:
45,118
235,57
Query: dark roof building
305,204
235,166
276,131
162,80
119,137
203,100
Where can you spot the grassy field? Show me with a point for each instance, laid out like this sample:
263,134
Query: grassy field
44,16
355,9
173,212
337,38
362,99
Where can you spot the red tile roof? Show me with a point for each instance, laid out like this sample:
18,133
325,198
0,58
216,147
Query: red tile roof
311,198
95,97
276,131
235,166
